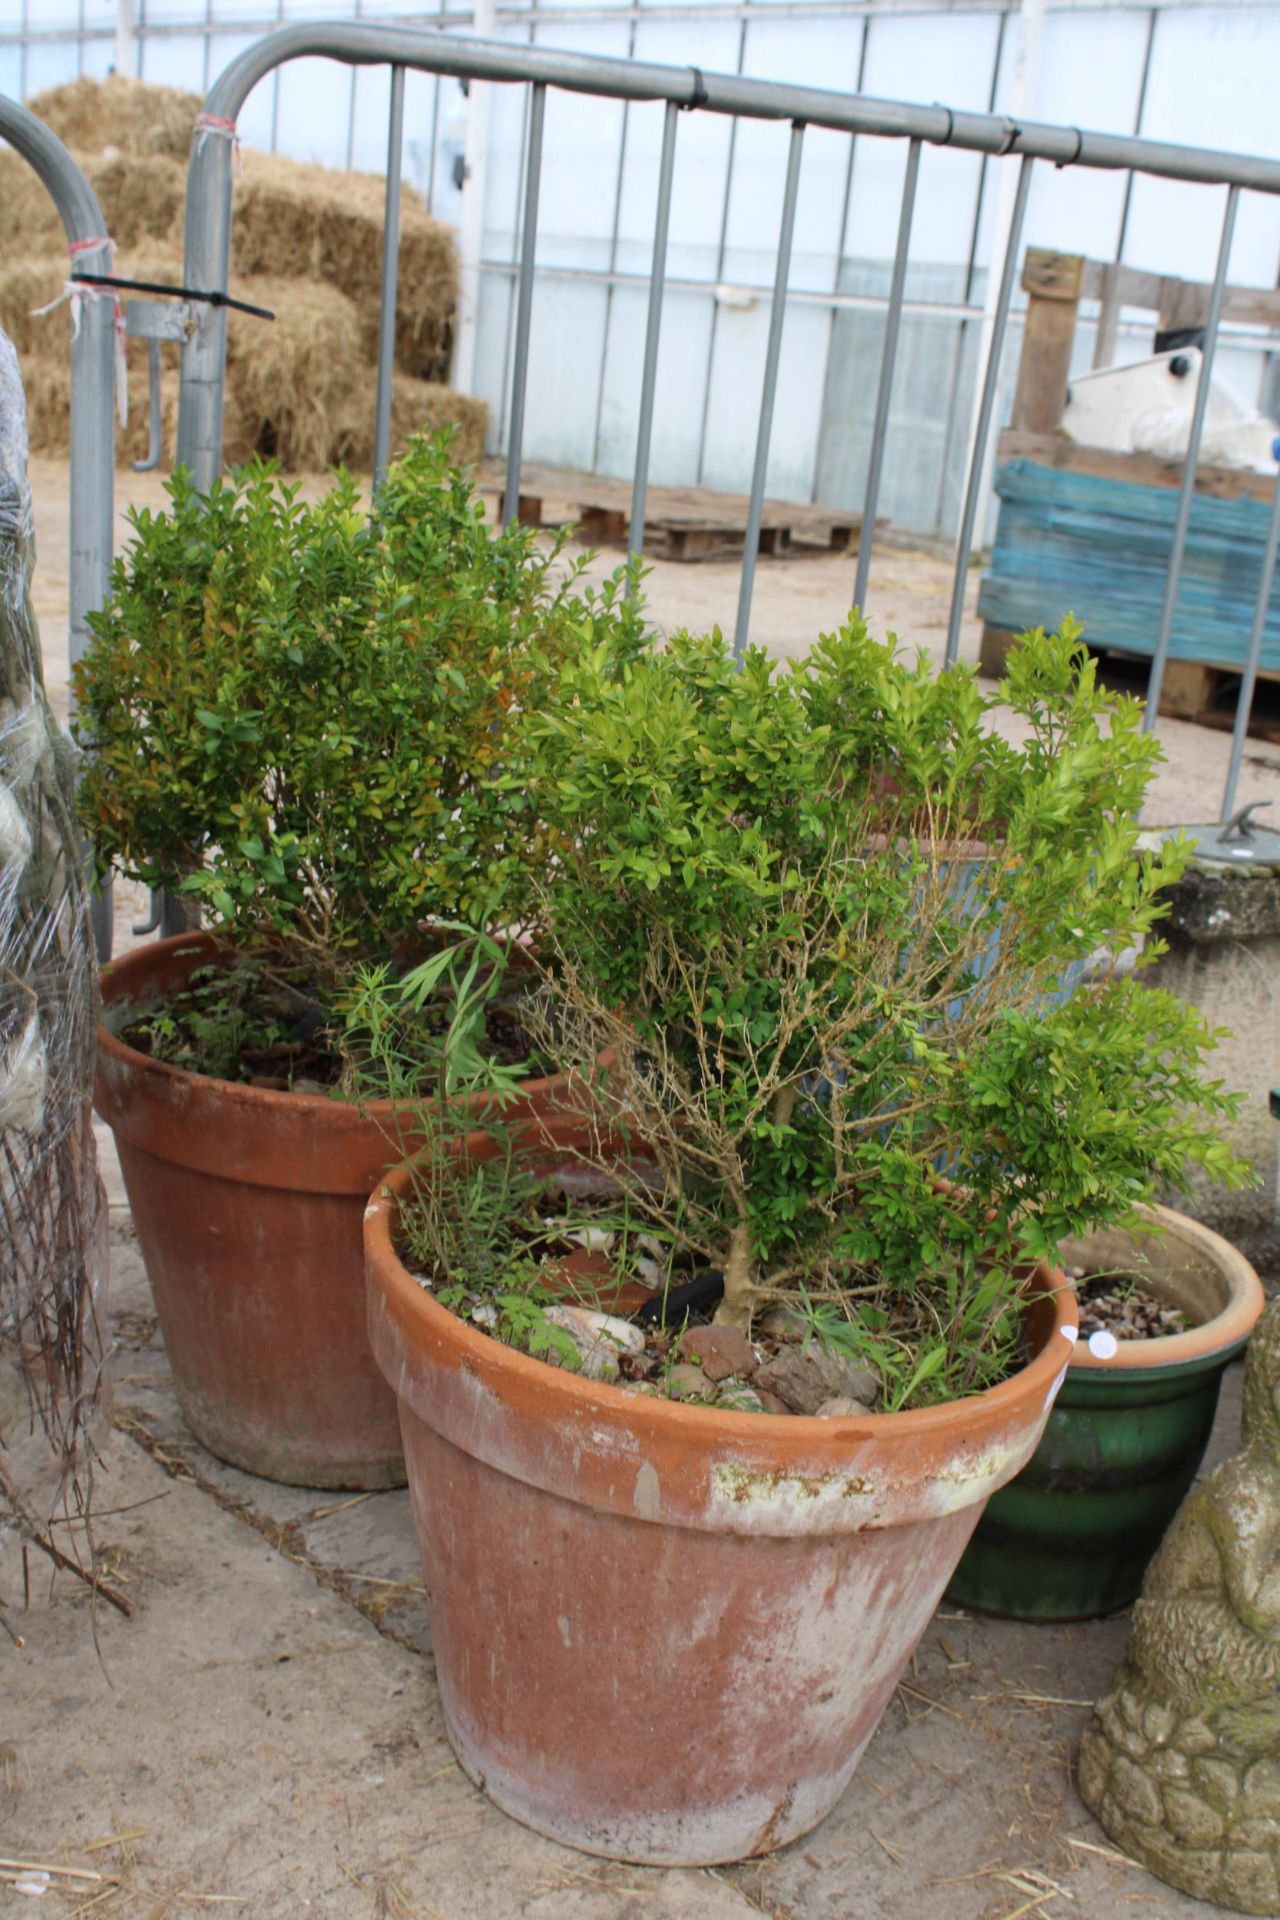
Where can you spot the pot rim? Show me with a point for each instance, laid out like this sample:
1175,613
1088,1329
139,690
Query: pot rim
319,1108
1221,1336
780,1436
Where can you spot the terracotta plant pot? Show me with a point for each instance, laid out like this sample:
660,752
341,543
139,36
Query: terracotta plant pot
247,1205
1071,1537
663,1633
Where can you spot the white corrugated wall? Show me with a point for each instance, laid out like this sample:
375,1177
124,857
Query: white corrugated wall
1201,74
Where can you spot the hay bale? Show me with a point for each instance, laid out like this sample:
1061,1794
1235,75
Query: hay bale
48,384
306,242
29,222
129,116
417,406
309,222
44,350
47,379
142,199
26,284
291,381
300,389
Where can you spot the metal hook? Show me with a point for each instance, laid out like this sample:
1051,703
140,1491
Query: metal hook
156,426
1239,826
152,921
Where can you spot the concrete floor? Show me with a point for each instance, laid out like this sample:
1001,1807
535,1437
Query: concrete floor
137,1751
795,600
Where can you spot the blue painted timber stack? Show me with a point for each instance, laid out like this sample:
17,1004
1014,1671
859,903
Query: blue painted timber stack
1074,543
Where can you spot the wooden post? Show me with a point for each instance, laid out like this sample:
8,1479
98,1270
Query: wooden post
1183,304
1104,344
1053,283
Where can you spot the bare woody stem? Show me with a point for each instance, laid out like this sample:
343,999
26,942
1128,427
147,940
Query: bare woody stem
740,1287
739,1280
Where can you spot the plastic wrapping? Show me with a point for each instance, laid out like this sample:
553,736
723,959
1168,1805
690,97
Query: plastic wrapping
53,1213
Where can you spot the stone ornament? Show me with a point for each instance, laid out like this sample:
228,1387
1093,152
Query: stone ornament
1181,1762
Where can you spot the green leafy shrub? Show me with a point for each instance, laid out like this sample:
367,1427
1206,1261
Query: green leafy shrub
310,720
831,928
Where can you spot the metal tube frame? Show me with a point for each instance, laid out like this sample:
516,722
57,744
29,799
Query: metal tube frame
986,409
733,95
1186,492
653,330
390,276
93,399
888,358
773,354
524,303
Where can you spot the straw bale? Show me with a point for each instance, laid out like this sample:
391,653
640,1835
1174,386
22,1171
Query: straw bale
129,116
307,242
314,223
142,199
300,388
25,284
29,221
44,349
47,379
417,406
290,380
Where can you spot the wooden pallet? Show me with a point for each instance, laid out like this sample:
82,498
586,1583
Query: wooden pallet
1190,690
681,523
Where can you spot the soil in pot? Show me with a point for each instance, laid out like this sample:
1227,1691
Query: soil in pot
261,1018
247,1203
1071,1537
1120,1304
582,1279
736,1591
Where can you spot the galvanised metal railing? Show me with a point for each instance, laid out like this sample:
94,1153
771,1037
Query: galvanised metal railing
93,391
1032,143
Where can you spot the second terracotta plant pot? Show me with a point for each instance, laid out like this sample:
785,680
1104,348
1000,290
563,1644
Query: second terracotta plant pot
666,1633
247,1205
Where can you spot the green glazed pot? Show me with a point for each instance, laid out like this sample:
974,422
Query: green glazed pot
1071,1536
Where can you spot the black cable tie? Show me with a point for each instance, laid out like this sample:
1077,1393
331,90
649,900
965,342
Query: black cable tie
1060,164
176,293
1012,135
951,125
700,94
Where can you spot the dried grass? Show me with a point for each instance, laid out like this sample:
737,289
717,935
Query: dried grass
306,242
312,223
48,384
291,380
417,406
26,284
131,116
28,221
142,199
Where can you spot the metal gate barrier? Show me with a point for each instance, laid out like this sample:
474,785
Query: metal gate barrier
1025,144
93,390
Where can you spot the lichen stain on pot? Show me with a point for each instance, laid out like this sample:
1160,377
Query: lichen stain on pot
745,1486
866,1498
973,1480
